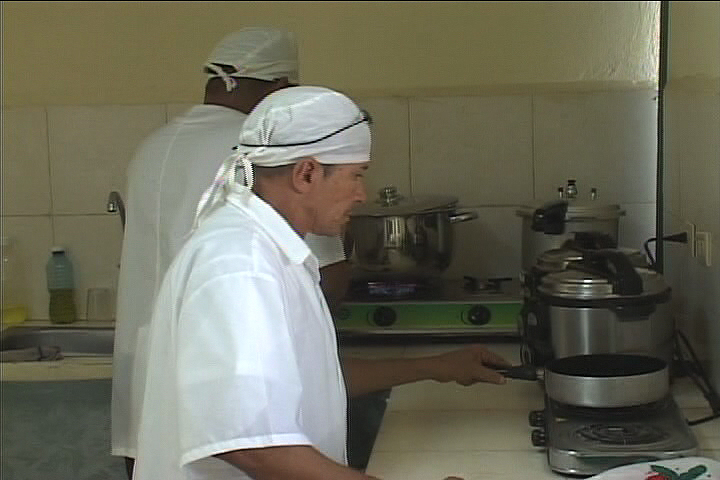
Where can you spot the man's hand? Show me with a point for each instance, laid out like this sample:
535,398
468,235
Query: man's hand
467,366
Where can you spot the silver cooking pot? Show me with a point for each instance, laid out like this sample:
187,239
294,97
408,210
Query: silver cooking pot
549,225
402,237
600,380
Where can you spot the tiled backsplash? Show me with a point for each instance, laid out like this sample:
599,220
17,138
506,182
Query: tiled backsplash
493,152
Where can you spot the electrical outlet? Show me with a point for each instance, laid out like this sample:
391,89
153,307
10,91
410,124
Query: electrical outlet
691,232
703,247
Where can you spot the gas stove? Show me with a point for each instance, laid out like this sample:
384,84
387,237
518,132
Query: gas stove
583,441
456,310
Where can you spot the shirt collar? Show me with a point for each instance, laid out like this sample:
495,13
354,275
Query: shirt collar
287,239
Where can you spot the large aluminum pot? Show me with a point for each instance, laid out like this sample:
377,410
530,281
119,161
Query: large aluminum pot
600,380
549,225
402,237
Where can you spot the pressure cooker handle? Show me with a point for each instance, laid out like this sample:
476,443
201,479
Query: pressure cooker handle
550,218
625,279
462,217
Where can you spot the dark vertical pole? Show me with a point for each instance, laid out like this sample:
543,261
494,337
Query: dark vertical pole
662,81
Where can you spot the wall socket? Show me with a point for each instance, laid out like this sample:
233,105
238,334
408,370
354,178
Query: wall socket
691,231
700,244
703,247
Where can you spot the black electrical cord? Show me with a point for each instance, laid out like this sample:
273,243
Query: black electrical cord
681,237
647,251
693,368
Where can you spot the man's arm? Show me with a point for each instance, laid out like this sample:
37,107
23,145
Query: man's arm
465,366
290,463
335,280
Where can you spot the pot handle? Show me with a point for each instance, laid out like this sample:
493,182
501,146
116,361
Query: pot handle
522,372
462,217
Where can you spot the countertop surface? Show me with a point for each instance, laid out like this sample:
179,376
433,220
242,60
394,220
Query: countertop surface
85,367
431,430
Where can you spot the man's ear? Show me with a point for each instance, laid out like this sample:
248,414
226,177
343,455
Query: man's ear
305,173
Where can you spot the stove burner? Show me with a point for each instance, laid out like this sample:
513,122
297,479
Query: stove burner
393,289
646,411
627,434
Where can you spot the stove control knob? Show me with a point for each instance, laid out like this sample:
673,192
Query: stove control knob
479,315
384,316
537,418
538,438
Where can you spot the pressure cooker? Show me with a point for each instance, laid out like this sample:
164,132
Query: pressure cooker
398,236
599,304
535,332
550,224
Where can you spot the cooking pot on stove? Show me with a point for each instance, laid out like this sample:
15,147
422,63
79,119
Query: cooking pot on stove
605,304
397,236
600,380
548,225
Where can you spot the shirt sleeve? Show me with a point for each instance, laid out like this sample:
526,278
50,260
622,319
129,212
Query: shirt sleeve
238,377
328,250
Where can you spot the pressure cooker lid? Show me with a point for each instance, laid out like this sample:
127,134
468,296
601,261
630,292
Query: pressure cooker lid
389,202
557,259
583,282
578,210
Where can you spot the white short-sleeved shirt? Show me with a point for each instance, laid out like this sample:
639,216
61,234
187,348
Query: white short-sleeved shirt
243,352
166,178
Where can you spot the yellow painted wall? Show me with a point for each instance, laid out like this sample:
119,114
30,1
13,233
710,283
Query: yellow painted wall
694,45
57,53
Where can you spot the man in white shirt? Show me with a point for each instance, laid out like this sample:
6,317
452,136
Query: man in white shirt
166,178
243,379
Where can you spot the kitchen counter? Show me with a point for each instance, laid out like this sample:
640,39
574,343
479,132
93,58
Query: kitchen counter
432,430
90,367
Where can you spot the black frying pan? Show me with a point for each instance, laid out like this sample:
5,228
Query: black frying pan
600,380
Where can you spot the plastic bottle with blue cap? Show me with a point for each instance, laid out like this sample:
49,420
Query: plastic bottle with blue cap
61,286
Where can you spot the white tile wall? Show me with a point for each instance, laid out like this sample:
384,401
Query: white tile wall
603,140
491,152
25,168
477,148
32,239
90,148
692,144
488,246
390,155
637,226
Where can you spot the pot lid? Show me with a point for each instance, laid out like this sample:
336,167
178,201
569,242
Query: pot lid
577,209
577,282
557,259
390,202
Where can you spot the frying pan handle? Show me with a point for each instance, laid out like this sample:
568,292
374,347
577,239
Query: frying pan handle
522,372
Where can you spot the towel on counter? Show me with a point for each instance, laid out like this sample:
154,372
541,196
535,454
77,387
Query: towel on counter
688,468
31,354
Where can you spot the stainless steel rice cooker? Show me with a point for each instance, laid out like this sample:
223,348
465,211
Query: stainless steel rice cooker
604,304
547,226
534,329
403,237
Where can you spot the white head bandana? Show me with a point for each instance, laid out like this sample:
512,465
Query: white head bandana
255,52
290,124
